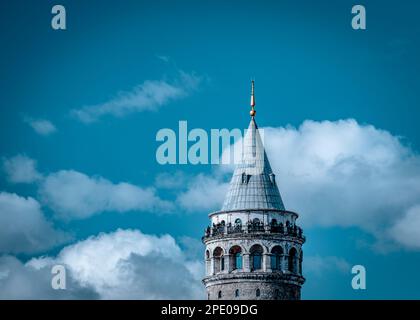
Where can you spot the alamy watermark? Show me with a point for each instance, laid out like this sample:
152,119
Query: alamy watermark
58,281
358,22
359,280
219,146
58,22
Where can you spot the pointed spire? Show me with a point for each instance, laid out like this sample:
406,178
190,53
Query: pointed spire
252,112
253,185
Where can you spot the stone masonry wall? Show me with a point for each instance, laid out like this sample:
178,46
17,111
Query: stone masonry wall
248,291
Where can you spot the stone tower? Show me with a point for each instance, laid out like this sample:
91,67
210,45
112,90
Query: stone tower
253,245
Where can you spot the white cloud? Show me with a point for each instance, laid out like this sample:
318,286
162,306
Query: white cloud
203,193
322,265
23,281
193,247
74,195
21,169
343,173
406,230
128,264
23,227
41,126
148,96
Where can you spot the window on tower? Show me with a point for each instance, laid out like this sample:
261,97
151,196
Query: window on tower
256,261
256,252
300,262
276,257
238,260
236,254
292,260
217,259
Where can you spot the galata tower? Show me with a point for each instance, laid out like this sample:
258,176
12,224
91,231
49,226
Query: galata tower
253,244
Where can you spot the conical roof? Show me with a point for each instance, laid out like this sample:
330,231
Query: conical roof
253,184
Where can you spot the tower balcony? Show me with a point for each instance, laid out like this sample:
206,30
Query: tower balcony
221,230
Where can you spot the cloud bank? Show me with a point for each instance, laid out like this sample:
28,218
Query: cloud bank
74,195
125,264
22,281
345,174
334,173
24,228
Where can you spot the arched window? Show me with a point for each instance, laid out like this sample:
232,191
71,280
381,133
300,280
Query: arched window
217,259
292,260
208,263
256,261
238,225
238,260
237,293
276,257
274,222
236,257
219,295
256,252
257,292
300,262
222,263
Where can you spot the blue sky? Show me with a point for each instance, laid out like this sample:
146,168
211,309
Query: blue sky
308,64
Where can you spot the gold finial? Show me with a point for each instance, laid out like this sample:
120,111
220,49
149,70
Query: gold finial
252,112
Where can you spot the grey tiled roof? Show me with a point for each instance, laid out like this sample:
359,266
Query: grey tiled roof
253,184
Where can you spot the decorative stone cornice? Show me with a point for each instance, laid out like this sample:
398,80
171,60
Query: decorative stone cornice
254,236
224,278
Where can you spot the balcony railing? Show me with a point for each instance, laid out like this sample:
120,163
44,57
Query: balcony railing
251,227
